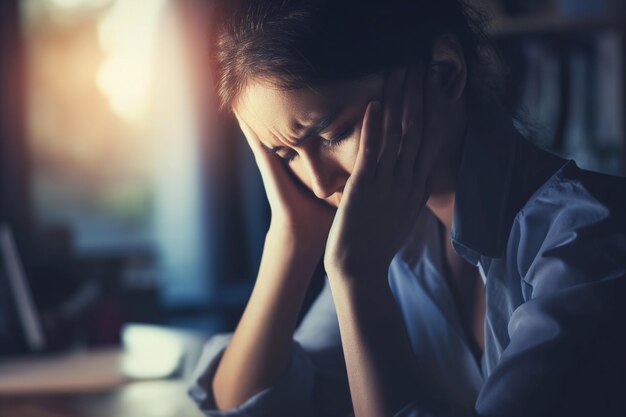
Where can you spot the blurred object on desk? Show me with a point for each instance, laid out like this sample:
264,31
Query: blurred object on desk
102,389
148,353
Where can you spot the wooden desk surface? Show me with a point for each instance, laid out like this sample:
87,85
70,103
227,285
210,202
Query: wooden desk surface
165,398
156,398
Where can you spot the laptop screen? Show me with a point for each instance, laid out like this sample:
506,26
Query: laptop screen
11,334
20,327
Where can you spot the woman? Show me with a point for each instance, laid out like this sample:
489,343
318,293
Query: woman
383,144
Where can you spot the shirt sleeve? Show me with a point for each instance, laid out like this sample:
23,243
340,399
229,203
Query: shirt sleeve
566,354
314,384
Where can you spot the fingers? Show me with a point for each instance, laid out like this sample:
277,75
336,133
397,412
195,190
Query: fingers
263,159
392,122
367,157
412,121
407,155
253,141
273,174
251,138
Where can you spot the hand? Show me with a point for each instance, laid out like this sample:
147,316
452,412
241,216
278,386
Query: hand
389,185
295,210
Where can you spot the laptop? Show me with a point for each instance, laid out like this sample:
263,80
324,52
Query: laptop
21,330
26,367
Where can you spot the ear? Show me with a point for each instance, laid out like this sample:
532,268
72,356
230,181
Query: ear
449,67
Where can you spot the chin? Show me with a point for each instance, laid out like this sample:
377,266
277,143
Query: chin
334,200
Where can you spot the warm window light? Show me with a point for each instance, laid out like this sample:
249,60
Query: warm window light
113,128
68,4
127,35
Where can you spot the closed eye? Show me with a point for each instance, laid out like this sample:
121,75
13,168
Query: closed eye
335,140
288,155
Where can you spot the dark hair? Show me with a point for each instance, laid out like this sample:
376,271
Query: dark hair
298,43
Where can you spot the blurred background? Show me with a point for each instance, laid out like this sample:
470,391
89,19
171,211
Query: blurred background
131,200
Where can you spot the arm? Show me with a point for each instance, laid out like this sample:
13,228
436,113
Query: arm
380,361
314,382
382,199
260,349
261,346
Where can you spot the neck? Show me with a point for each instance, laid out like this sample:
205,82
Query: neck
445,175
442,206
465,283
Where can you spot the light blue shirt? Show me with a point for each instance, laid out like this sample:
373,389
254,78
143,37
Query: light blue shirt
550,242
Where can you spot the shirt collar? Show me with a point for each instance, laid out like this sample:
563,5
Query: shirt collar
494,183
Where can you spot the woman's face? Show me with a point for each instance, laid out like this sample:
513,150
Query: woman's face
316,132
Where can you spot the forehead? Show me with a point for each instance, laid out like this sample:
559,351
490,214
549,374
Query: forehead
265,108
268,107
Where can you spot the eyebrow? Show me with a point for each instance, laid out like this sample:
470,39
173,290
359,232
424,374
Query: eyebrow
313,129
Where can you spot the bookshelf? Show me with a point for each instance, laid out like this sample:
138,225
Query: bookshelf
550,25
564,35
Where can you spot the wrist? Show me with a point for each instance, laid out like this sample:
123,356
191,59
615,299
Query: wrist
282,231
298,238
361,288
358,273
291,246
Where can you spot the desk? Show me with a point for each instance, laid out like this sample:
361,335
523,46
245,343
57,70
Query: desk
166,398
116,397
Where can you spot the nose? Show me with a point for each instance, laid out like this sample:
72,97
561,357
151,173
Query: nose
326,176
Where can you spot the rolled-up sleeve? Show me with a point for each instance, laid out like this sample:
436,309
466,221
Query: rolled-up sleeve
314,383
289,396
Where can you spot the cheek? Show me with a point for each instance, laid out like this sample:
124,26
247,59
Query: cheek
301,173
347,154
339,161
350,150
343,156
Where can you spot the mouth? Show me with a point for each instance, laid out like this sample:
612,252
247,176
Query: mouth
335,199
339,195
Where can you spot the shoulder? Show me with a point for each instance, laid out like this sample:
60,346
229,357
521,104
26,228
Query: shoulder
571,199
574,199
573,229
